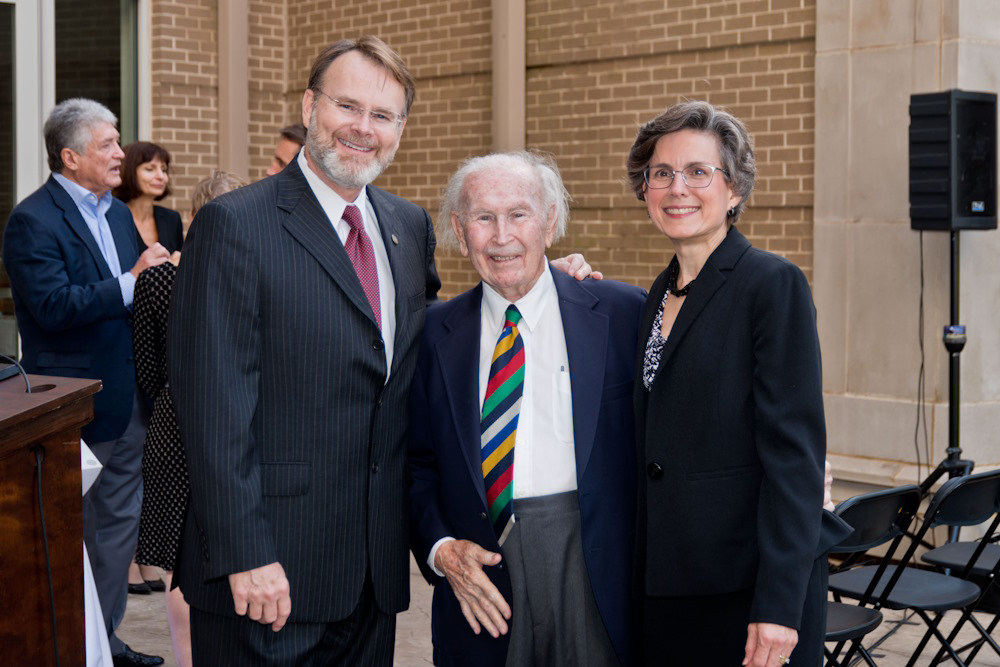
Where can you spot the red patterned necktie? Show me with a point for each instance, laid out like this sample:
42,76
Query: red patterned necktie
359,249
498,428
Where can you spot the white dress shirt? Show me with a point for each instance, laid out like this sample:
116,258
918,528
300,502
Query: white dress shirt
333,205
544,449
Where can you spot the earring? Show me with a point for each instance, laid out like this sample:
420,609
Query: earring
731,212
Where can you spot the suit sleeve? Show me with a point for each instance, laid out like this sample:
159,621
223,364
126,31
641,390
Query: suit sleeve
432,283
213,362
790,437
427,521
38,269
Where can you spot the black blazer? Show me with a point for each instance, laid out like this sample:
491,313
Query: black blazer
294,439
734,419
169,229
447,496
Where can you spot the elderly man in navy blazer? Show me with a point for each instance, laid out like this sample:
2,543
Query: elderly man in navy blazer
522,458
70,250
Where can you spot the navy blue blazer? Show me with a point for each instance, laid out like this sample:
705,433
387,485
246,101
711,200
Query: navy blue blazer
295,440
69,306
447,495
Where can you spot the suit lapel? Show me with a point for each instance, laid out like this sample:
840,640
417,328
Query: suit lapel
586,333
457,353
711,277
310,226
124,232
388,220
76,222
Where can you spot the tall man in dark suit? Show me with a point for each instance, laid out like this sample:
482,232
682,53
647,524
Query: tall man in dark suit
291,346
551,429
70,249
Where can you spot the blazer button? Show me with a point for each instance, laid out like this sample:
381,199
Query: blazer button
377,345
374,468
482,515
654,470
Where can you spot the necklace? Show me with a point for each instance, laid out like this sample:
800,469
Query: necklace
672,282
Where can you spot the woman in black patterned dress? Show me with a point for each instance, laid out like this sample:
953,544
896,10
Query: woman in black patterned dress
164,467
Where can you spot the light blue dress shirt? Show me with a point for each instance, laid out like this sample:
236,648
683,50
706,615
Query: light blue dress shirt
94,211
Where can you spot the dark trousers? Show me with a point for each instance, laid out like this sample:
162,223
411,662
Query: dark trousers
111,517
365,638
712,629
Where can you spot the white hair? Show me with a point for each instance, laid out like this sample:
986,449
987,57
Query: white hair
551,189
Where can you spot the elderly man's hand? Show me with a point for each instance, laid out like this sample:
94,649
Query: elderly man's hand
769,645
576,265
462,563
263,594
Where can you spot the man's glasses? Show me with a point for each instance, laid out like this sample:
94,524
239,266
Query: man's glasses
379,118
695,176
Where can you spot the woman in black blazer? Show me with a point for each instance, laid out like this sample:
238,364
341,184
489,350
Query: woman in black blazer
729,412
145,173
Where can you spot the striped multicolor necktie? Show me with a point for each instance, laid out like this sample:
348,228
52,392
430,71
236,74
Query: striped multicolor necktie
499,423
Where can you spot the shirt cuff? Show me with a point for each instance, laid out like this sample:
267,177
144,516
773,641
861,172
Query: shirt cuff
434,550
127,283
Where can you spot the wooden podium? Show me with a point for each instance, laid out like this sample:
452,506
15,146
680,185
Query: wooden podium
49,420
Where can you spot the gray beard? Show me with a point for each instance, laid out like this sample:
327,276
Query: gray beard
344,173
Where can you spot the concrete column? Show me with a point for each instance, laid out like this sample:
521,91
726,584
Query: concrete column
871,55
234,112
509,73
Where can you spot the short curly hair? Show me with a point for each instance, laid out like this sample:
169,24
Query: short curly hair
136,155
735,147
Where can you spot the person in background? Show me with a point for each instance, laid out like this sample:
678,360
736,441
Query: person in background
71,252
292,138
145,173
164,469
729,415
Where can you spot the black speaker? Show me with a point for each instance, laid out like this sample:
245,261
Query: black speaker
953,161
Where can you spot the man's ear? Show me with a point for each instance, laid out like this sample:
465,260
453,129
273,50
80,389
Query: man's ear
70,158
550,233
308,100
456,226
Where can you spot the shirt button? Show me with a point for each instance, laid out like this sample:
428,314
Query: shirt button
654,470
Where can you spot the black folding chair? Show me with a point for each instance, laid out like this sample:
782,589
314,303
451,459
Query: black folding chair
962,501
877,518
978,561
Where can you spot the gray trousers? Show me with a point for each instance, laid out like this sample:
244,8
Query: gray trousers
555,618
111,517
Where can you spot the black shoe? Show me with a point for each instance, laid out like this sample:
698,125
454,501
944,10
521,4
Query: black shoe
156,585
140,589
130,658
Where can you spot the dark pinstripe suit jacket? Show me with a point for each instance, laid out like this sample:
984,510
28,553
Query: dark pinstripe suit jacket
295,441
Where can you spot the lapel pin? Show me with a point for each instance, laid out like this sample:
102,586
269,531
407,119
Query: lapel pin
395,240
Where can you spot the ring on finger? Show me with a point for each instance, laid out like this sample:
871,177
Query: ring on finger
783,660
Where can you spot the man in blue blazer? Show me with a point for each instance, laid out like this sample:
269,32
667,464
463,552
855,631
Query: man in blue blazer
552,586
70,250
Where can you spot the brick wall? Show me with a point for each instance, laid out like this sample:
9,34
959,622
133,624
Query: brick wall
185,88
596,71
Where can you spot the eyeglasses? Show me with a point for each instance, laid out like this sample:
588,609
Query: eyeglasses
695,176
379,118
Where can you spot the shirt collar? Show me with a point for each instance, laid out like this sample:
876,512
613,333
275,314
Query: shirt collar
331,202
81,196
531,305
